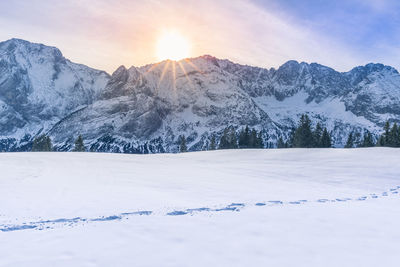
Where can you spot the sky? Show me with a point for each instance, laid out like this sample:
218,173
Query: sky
105,34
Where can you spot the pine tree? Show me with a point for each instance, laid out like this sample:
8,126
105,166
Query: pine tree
381,141
325,139
42,143
394,136
182,145
233,144
350,141
79,146
223,142
368,140
386,128
358,141
244,138
317,135
253,139
213,145
303,136
260,142
49,145
290,141
398,137
228,139
281,143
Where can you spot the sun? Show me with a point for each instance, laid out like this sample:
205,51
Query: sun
172,45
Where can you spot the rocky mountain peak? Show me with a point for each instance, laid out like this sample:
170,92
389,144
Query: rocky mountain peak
146,109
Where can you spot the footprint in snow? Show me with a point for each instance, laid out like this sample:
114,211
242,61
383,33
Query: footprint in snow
109,218
275,202
17,228
144,212
44,224
228,208
177,213
197,210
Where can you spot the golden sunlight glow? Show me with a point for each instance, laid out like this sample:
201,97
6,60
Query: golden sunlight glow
172,45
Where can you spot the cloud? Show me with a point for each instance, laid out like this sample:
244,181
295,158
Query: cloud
105,34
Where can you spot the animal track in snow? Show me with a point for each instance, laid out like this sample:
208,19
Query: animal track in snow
51,224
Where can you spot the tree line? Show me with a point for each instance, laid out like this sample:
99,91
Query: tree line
230,139
43,143
389,138
302,136
306,136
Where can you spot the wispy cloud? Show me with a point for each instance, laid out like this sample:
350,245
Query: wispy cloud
105,33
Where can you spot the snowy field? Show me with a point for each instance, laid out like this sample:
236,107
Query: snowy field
294,207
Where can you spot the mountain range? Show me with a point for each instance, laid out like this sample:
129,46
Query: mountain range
146,109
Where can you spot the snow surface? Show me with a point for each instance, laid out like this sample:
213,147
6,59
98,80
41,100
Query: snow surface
294,207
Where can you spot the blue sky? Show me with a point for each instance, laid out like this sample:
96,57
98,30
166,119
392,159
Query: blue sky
107,33
363,24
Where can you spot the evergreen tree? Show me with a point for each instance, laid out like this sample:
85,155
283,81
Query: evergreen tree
325,139
281,143
391,136
303,136
381,141
79,146
260,142
42,143
253,139
232,139
397,142
386,135
317,135
228,139
350,141
290,141
223,142
182,144
368,140
394,136
244,138
213,145
206,146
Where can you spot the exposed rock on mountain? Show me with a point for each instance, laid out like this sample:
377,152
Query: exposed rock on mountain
39,87
146,109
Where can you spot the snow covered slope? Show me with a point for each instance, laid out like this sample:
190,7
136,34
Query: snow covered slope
146,109
39,87
290,207
156,104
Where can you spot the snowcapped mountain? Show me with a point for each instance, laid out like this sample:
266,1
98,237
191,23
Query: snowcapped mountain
146,109
157,103
39,87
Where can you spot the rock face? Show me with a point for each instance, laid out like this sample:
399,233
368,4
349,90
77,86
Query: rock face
146,109
39,87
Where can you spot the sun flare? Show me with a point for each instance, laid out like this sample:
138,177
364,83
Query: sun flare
172,45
